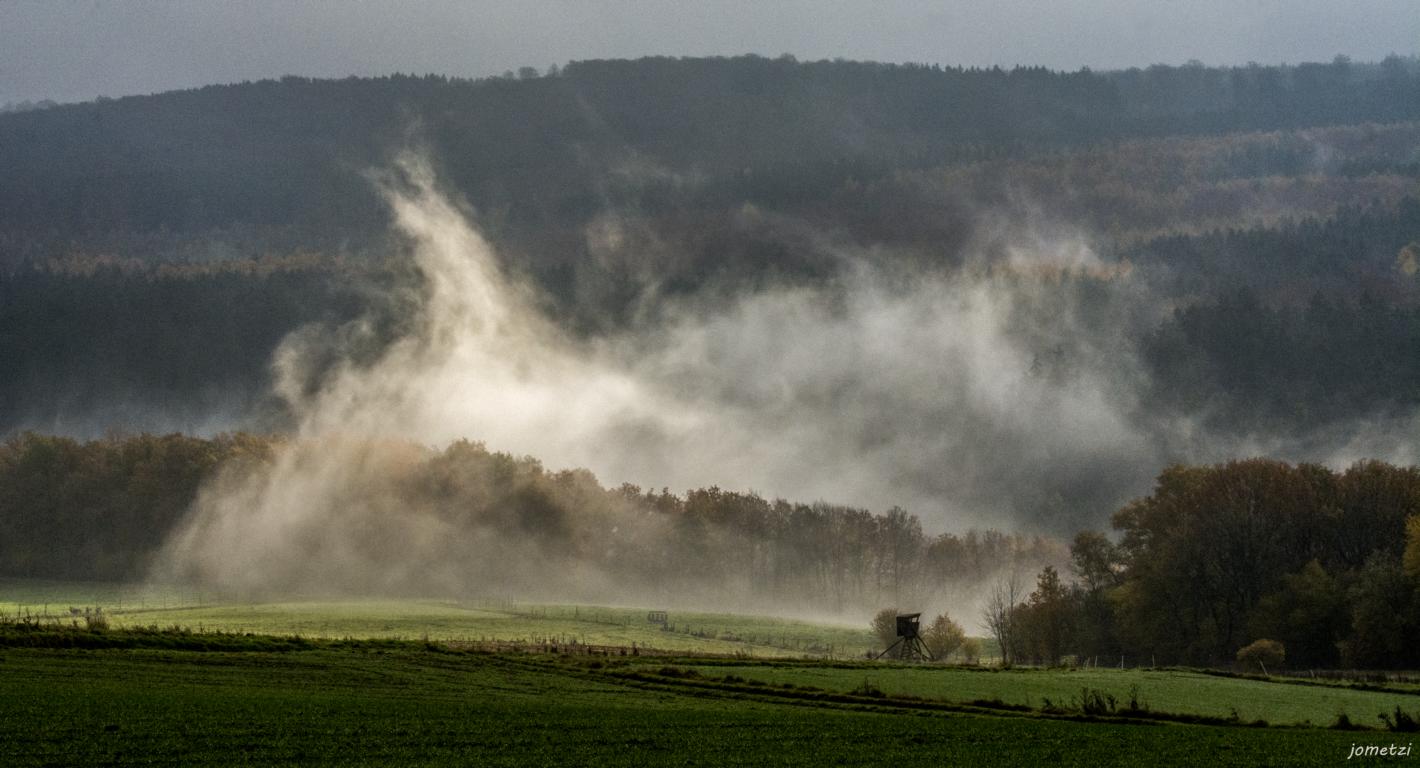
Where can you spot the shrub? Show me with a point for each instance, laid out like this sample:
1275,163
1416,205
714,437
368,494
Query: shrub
884,626
868,689
971,650
1134,704
943,636
1097,702
1343,723
1402,722
1263,653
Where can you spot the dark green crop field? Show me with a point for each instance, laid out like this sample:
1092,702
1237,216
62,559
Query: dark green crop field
1170,691
408,704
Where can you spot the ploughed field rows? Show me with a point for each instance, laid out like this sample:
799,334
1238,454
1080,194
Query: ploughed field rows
1152,692
408,704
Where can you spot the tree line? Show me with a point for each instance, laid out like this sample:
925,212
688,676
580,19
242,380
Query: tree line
1324,563
1317,567
103,509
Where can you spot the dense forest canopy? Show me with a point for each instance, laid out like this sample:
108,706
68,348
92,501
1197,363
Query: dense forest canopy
277,164
1322,563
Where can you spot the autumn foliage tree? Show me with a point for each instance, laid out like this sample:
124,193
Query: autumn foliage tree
1219,556
943,637
1262,654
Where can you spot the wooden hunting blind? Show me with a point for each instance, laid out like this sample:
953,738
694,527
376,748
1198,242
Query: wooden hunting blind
909,645
909,625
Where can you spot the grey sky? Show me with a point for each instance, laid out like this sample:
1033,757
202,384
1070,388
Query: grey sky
71,50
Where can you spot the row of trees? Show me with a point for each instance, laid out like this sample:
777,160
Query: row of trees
1326,564
104,509
1216,558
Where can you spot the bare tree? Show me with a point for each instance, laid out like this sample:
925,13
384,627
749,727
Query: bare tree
1000,613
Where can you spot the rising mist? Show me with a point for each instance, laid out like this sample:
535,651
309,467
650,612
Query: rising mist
1003,393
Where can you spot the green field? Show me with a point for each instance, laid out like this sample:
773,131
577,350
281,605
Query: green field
56,597
444,620
1170,691
214,683
410,706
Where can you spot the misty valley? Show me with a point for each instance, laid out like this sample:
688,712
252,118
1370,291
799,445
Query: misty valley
633,411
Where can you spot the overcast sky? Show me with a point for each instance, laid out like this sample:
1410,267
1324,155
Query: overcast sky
71,50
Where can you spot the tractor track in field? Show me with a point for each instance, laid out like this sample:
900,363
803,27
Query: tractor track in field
886,704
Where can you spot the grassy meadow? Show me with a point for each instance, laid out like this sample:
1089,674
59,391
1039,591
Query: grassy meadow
439,620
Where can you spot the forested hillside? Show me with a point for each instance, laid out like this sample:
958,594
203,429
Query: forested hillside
242,169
